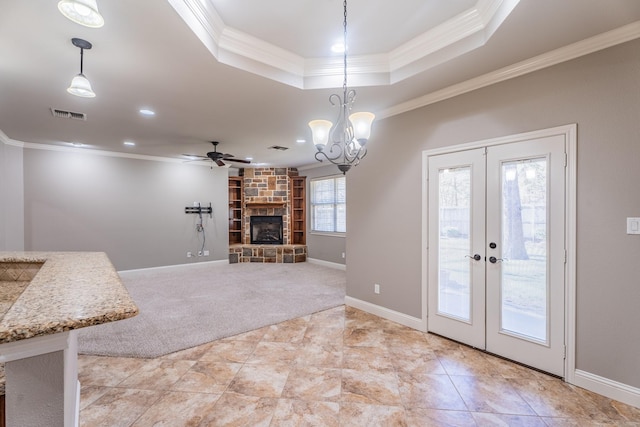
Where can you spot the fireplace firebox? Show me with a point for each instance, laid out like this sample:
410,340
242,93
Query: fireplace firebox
266,230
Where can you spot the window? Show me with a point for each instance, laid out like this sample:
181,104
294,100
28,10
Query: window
329,204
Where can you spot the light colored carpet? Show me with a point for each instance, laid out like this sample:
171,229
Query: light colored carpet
185,306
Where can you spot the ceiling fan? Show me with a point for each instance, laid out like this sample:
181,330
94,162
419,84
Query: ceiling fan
216,156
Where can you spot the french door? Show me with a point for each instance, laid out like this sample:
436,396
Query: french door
496,257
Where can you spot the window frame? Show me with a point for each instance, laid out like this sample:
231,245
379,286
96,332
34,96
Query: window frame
334,206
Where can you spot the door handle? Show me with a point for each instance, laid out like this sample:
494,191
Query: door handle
493,259
477,257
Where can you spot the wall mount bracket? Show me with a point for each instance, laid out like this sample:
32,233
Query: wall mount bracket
199,210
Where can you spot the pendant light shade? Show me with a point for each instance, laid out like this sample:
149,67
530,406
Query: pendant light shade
320,131
361,126
83,12
80,86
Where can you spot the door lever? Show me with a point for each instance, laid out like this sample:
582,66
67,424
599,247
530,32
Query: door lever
477,257
493,259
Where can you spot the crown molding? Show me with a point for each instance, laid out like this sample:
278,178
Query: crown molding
593,44
462,33
243,44
8,141
50,147
4,138
203,20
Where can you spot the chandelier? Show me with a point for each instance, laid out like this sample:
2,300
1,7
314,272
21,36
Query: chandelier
343,144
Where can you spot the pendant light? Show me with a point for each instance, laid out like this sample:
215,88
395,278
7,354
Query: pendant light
83,12
343,144
80,85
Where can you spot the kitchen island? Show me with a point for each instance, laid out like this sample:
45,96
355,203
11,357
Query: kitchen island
44,298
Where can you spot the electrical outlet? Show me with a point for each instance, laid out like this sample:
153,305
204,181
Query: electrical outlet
376,288
342,255
189,254
206,253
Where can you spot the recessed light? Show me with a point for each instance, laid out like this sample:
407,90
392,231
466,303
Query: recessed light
77,144
301,141
129,143
147,112
337,47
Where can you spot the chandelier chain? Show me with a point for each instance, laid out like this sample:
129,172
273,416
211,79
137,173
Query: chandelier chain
344,43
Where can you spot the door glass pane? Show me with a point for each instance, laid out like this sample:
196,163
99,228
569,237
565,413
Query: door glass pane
454,269
524,296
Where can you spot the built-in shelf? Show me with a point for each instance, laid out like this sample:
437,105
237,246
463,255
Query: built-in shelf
298,210
235,210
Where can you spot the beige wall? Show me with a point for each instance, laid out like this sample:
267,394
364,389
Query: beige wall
134,210
323,247
11,197
599,92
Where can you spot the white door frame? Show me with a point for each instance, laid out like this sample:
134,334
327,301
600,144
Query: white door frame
570,135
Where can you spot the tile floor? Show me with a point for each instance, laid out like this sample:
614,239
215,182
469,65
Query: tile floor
340,367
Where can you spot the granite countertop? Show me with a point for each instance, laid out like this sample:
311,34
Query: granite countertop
70,290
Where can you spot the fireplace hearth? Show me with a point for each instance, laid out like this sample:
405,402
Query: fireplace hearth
266,230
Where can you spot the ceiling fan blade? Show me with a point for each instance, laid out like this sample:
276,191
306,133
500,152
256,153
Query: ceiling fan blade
219,163
239,160
193,158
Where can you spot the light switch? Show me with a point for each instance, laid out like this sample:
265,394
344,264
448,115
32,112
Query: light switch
633,225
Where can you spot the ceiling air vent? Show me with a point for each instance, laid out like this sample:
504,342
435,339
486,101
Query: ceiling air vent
63,114
278,147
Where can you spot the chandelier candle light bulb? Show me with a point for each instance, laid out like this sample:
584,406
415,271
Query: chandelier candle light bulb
346,139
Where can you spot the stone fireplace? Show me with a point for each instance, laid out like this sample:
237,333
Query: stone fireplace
266,193
267,218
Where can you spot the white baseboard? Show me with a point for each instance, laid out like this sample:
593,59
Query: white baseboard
327,263
612,389
385,313
165,267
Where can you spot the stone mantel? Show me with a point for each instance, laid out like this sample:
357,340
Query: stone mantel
262,205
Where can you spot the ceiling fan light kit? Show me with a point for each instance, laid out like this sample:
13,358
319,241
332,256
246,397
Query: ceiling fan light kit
80,85
346,139
83,12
